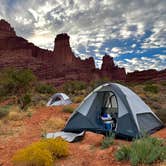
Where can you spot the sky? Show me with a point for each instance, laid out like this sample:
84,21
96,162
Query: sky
131,31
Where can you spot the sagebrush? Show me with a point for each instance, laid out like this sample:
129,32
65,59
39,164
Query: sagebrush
143,151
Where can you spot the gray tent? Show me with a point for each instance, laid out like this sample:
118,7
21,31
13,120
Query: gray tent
132,116
59,99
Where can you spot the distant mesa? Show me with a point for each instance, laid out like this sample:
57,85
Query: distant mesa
60,65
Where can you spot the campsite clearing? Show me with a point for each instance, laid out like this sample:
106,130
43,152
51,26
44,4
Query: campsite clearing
87,152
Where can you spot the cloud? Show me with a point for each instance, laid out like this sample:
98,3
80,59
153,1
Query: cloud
133,45
143,63
115,49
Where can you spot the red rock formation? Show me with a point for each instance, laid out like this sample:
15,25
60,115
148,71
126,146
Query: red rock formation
111,71
62,51
6,30
141,76
59,65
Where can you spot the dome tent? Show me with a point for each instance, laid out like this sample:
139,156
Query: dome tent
59,99
131,114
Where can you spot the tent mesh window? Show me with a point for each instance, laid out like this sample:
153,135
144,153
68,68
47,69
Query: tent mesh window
55,99
147,122
110,104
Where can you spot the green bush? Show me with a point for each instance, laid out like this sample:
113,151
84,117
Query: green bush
161,113
68,109
41,153
45,89
72,87
99,82
18,83
14,81
24,101
151,88
4,110
78,99
123,153
107,141
143,151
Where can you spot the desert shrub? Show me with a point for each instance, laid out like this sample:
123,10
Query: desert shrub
29,114
144,151
24,101
123,153
161,113
18,83
68,109
39,99
15,116
107,141
73,87
43,152
78,99
99,82
54,123
58,147
4,110
33,156
1,123
151,88
45,88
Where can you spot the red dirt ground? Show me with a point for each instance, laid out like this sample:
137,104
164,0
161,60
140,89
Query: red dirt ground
84,153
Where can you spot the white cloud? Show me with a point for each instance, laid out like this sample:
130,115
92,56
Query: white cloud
162,57
133,45
116,49
143,63
23,20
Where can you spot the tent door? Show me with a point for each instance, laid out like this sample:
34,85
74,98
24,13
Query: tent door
110,106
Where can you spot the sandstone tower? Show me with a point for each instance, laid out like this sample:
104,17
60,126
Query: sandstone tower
62,50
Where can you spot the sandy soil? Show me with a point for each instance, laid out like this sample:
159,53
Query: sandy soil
84,153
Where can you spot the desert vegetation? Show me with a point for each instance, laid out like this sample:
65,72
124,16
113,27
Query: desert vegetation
68,109
143,151
17,83
43,152
108,141
22,110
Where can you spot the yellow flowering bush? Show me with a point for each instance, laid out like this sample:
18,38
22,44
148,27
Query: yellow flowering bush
42,153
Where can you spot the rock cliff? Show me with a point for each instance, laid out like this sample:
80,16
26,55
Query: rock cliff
151,74
59,65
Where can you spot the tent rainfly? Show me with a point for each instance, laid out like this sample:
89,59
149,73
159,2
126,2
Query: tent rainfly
132,116
59,99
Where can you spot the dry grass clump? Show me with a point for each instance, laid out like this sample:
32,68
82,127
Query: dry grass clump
14,113
78,99
68,109
15,116
54,123
30,111
1,123
41,153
